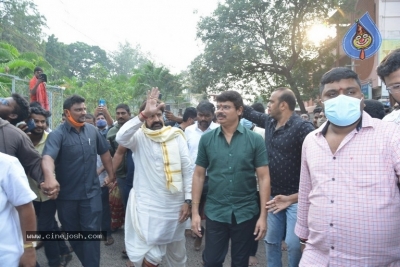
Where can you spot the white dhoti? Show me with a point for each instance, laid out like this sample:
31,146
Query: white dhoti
152,231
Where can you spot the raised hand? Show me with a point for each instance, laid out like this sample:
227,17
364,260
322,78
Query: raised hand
152,105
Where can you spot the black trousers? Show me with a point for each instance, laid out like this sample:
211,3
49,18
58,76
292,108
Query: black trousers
217,242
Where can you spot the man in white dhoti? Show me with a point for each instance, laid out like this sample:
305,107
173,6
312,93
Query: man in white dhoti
160,200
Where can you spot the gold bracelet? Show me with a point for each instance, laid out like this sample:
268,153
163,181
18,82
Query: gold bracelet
195,202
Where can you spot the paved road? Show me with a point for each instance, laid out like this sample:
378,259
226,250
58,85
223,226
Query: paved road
111,255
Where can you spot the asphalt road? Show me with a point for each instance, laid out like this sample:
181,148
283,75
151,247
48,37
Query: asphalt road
111,255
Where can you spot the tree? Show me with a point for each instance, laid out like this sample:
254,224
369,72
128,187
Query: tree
18,64
261,44
82,57
148,76
57,55
21,25
127,58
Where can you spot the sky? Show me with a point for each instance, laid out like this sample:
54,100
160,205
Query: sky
164,28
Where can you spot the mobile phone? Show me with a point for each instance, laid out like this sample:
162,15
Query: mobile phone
31,125
102,103
43,77
159,96
168,107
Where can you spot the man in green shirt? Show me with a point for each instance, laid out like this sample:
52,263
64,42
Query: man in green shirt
232,155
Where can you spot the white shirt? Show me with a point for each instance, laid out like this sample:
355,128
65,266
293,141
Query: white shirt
393,116
193,135
14,191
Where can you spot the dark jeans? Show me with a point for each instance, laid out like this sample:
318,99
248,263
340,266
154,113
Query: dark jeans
46,212
217,242
82,215
106,215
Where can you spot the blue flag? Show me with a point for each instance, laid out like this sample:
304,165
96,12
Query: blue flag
363,39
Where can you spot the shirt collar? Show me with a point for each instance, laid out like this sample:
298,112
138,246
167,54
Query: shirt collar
239,129
366,121
212,126
69,127
290,121
44,137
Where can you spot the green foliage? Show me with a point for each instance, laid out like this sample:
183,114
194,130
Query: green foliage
148,76
83,57
254,45
57,55
20,64
127,58
21,25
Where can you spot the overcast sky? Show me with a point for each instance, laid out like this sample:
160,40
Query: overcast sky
165,28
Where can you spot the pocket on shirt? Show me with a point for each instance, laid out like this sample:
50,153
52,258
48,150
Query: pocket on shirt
71,152
371,175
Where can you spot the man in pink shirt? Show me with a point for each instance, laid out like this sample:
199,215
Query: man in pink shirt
349,200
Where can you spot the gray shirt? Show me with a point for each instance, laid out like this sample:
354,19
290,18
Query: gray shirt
75,157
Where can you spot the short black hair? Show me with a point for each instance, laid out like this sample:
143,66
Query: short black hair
337,74
317,110
287,96
389,64
35,104
231,96
98,114
40,111
22,108
205,106
90,117
190,112
124,106
374,108
258,107
37,69
72,100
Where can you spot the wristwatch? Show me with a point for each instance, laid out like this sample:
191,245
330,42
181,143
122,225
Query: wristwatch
30,245
189,202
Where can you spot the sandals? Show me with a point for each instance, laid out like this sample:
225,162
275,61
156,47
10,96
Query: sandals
110,241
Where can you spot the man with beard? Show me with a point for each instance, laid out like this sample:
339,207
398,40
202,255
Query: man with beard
57,252
16,143
204,124
159,202
71,151
123,114
284,135
349,202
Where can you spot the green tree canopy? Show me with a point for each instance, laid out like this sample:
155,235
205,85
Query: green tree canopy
261,44
21,25
82,57
127,58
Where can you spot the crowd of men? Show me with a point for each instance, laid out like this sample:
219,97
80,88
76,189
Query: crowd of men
327,187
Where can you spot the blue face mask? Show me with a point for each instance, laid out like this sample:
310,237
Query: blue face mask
101,123
246,123
342,110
